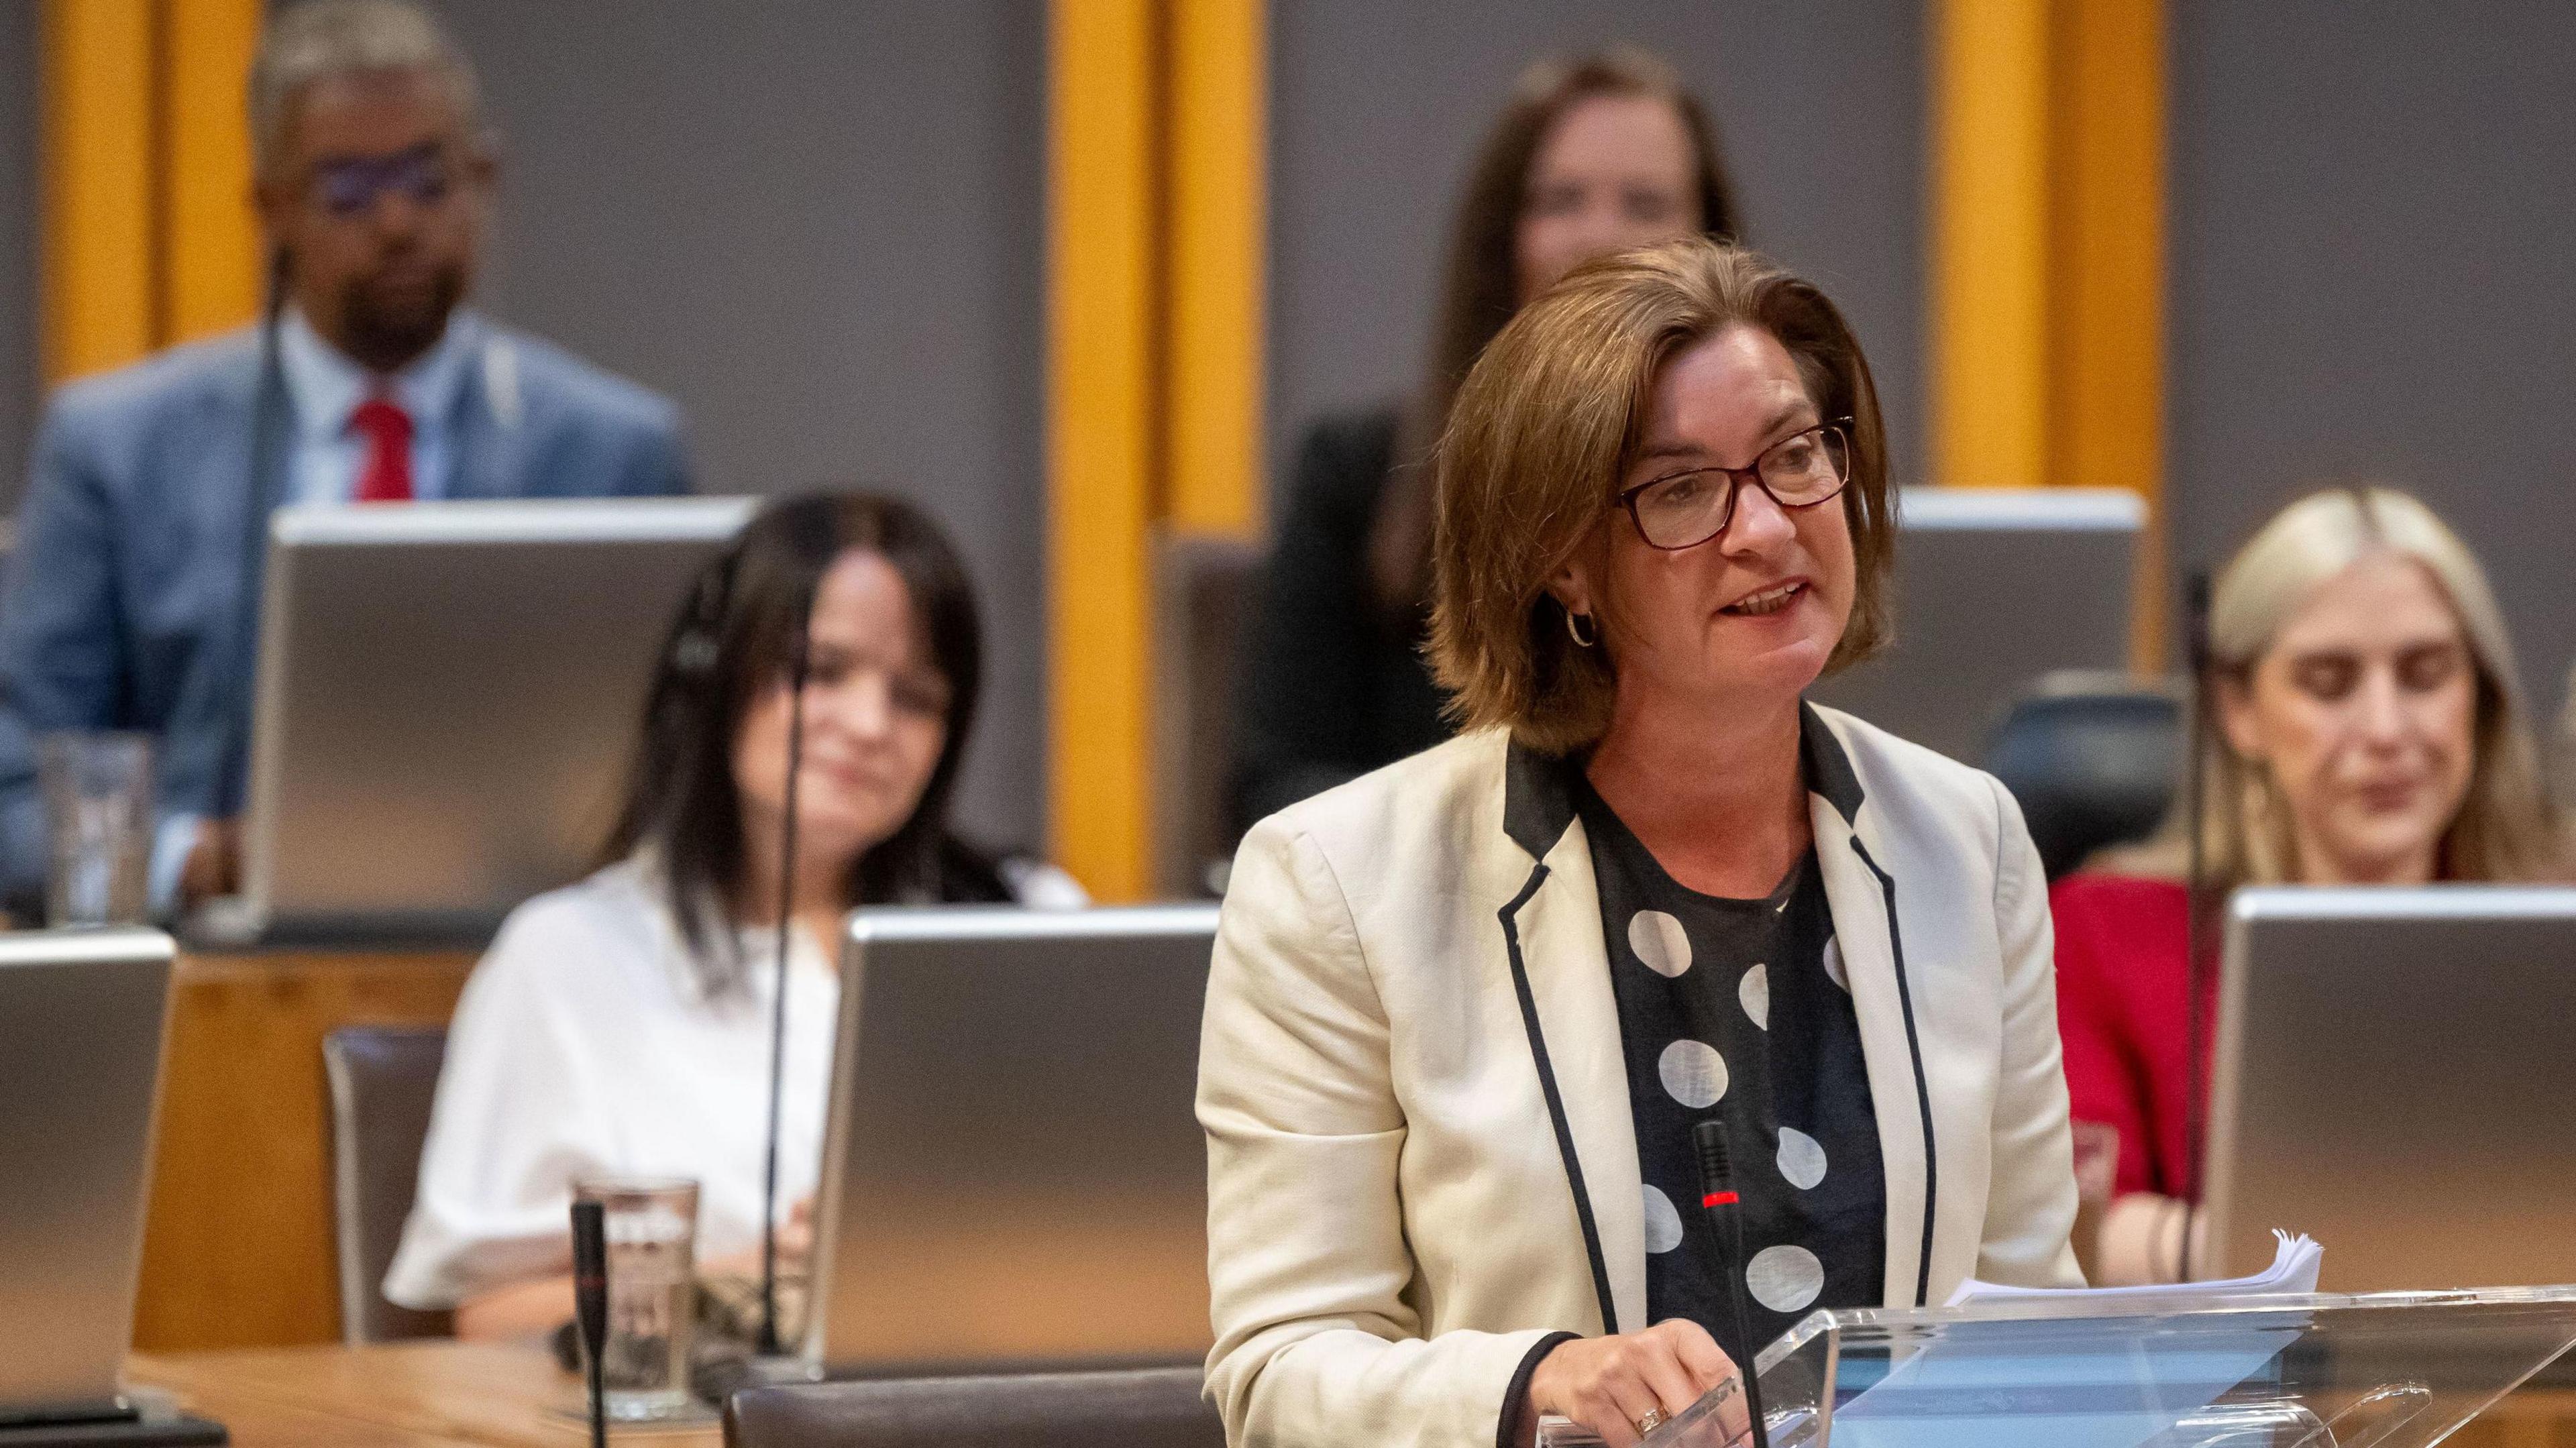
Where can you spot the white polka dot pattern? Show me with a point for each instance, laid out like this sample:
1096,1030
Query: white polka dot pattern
1660,942
1834,964
1785,1278
1663,1221
1693,1073
1802,1159
1754,992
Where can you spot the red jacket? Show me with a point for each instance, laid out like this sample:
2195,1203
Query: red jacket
2122,1016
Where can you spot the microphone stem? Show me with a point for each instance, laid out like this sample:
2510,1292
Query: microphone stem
769,1344
2195,886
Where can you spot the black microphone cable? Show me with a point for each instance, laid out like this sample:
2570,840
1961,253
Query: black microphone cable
1725,1214
2197,740
799,666
267,424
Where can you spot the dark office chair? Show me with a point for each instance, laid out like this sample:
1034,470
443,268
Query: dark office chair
383,1079
2094,760
1150,1408
1203,599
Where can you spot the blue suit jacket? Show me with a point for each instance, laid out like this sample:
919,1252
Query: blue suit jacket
122,592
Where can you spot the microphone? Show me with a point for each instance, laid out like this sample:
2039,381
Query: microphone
799,666
590,1305
1726,1224
267,424
2195,887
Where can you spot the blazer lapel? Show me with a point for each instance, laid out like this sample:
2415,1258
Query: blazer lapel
1567,967
486,420
1866,937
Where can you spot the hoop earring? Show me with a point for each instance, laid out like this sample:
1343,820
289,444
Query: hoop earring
1572,620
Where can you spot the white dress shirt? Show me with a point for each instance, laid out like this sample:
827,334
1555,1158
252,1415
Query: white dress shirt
325,387
586,1045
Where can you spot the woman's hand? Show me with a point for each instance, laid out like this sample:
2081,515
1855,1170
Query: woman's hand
1608,1383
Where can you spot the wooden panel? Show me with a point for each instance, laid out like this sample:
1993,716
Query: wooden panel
1990,243
503,1395
100,229
211,244
237,1245
1100,442
1219,154
2107,364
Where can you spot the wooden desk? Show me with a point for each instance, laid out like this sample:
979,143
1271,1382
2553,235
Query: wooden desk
404,1395
237,1243
462,1395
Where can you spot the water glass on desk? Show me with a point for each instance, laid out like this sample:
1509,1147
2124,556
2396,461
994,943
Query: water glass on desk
652,1231
98,814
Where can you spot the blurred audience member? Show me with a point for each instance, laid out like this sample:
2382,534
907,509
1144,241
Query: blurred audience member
620,1026
374,181
2367,730
1592,156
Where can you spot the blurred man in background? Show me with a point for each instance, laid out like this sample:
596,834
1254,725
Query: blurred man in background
130,605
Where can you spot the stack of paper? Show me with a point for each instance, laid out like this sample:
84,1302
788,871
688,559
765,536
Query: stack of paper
2294,1269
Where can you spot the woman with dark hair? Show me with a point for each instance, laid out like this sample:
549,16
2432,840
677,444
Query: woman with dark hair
1591,156
620,1026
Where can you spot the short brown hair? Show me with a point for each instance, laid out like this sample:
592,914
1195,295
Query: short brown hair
1541,433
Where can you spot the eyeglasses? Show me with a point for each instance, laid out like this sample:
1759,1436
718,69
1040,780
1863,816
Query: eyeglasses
350,187
1684,510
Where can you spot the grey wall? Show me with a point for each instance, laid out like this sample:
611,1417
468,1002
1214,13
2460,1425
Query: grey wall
818,226
2373,208
18,203
1377,109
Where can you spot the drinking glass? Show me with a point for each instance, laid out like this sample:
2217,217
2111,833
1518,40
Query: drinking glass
98,813
652,1229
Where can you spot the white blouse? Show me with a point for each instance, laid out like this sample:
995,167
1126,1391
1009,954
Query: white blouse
586,1045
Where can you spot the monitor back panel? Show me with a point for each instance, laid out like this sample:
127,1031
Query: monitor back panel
1015,1175
1993,589
81,1016
449,699
2396,1077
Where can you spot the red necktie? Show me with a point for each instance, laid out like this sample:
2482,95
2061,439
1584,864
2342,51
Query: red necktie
386,476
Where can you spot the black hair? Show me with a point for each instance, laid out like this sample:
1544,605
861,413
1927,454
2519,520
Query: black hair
736,635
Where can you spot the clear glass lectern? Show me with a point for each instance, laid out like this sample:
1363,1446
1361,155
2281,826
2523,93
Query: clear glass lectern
2386,1370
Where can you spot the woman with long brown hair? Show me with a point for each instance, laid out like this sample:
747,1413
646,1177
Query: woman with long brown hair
1592,155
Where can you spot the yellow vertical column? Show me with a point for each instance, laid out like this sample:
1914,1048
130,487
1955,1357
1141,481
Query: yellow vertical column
211,241
100,231
2107,371
1217,236
1990,242
1101,439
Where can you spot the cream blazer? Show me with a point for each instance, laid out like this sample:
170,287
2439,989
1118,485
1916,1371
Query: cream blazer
1421,1163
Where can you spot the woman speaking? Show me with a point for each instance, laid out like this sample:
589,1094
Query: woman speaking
1466,1011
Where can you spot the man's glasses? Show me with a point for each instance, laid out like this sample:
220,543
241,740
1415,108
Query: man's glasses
350,187
1684,510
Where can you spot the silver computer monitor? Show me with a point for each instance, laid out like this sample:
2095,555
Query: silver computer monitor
81,1020
1013,1172
2395,1075
448,696
1994,587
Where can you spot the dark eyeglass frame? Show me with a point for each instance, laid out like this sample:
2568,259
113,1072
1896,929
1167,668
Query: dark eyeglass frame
350,187
1736,478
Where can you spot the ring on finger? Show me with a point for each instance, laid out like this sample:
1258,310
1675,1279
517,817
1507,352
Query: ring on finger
1654,1419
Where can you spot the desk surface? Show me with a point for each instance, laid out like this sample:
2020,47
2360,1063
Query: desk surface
405,1395
475,1395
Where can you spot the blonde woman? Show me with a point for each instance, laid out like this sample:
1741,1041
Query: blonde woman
1466,1012
2369,732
